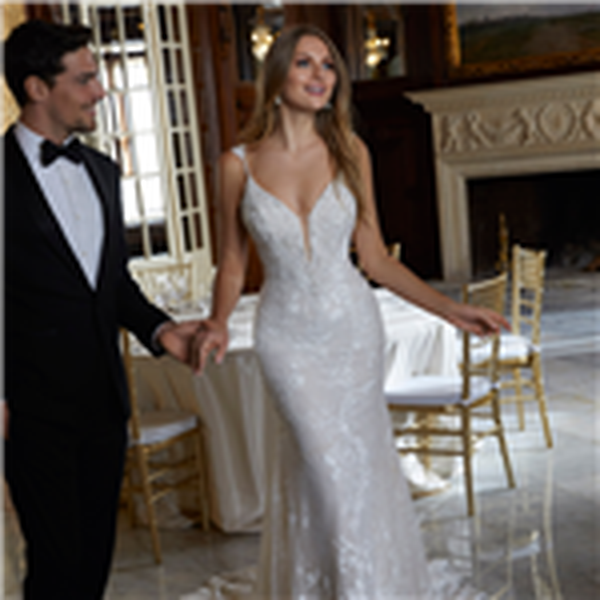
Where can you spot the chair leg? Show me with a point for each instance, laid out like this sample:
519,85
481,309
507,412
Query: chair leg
502,441
519,397
147,493
536,368
128,485
202,481
467,453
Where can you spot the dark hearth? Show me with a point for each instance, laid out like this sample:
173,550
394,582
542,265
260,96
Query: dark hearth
558,212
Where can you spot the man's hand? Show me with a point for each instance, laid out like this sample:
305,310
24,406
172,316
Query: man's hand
177,338
5,415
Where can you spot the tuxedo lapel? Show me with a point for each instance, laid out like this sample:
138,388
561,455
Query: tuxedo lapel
23,190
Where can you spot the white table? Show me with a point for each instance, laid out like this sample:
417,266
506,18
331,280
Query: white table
235,407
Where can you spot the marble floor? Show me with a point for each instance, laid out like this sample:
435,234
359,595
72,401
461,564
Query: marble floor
538,541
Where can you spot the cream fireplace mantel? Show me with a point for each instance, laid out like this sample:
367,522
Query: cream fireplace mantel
543,125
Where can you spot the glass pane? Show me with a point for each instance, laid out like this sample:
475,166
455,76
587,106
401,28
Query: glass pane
115,113
141,110
177,150
172,109
125,156
185,222
193,190
198,230
130,205
133,21
147,153
383,53
189,148
103,116
185,116
154,205
107,146
175,24
179,63
113,72
108,25
166,53
183,204
162,22
137,71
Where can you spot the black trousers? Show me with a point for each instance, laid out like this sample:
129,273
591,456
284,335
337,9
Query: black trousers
64,483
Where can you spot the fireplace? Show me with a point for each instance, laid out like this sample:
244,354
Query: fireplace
543,126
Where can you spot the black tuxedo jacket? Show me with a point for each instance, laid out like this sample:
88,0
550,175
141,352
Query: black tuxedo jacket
61,335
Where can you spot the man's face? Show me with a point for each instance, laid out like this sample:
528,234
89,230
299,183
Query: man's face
70,103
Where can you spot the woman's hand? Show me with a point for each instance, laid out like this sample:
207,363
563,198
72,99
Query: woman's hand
211,336
477,320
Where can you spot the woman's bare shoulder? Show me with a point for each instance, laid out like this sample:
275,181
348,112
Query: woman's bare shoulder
231,165
360,146
232,159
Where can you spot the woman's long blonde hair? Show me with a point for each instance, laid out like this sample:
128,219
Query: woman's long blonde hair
333,124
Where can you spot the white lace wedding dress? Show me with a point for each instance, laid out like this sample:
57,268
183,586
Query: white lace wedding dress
339,522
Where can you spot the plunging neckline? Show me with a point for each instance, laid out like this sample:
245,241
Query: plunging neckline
286,205
303,221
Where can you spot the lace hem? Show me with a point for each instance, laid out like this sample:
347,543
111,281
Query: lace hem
445,583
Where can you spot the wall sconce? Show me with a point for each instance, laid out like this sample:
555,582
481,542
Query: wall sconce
261,35
376,47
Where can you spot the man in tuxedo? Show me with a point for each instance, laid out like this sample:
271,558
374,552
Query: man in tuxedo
67,293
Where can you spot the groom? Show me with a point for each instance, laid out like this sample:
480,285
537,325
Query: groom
67,293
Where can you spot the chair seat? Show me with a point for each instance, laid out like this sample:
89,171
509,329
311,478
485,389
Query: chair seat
159,426
512,347
433,390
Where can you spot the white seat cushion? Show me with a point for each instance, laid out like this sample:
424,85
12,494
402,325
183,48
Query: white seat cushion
512,347
433,390
162,425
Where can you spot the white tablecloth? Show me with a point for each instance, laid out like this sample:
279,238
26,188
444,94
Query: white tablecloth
235,407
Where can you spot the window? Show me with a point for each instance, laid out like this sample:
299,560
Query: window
147,123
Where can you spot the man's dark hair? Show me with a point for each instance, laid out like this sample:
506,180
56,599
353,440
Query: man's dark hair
37,48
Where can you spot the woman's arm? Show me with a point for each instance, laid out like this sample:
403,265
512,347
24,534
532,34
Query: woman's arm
231,265
388,272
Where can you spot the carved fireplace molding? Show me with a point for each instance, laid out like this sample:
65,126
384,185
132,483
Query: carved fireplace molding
544,125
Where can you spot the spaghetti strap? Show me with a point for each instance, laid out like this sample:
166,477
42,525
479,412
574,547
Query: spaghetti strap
240,152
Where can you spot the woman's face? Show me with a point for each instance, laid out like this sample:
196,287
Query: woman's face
311,76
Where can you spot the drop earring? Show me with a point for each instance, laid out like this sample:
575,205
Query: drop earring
277,100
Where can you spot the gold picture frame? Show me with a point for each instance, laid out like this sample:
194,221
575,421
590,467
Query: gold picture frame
462,66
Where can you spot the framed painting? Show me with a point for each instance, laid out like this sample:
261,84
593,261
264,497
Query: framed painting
489,39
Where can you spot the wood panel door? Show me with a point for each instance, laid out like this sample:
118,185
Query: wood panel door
398,134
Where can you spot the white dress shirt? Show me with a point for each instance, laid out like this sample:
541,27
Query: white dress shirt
73,199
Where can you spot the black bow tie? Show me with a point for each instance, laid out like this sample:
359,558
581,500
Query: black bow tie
50,152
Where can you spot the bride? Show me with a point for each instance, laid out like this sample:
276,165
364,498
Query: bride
339,521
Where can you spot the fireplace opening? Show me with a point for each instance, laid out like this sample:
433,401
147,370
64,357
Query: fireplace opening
558,212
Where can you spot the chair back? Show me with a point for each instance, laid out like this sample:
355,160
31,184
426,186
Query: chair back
170,284
489,293
528,271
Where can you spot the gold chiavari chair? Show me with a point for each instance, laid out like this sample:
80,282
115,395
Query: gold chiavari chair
151,472
520,352
520,361
442,408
